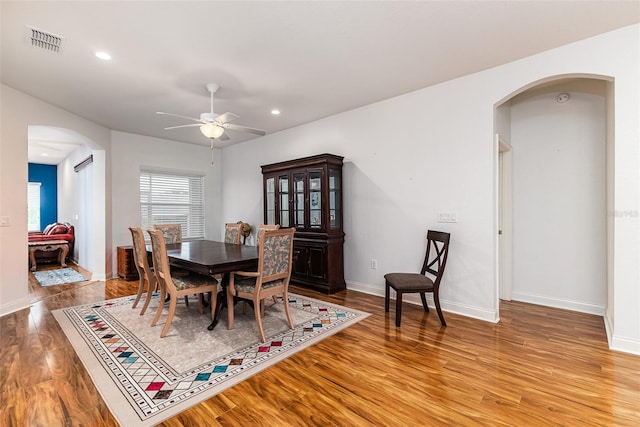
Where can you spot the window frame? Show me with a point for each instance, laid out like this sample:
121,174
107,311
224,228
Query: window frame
31,190
172,197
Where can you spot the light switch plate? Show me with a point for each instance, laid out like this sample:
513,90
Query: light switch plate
448,216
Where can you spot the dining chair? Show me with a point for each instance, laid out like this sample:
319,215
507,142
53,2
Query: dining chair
272,278
232,233
172,233
434,262
147,277
177,286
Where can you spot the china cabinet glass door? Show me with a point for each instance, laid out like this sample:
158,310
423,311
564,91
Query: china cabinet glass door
298,200
334,199
283,190
271,200
315,199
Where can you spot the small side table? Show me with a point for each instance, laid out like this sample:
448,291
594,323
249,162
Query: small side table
47,246
126,265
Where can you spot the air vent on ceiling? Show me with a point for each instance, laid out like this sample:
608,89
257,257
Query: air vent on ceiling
44,40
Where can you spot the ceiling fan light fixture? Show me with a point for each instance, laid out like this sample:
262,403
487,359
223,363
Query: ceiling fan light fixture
211,130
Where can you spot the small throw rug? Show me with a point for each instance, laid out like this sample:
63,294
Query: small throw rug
58,277
145,379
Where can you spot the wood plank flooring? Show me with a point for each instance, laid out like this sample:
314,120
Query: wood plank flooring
538,366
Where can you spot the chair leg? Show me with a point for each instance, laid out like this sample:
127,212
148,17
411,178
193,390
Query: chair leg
256,304
436,299
386,296
140,291
424,301
398,307
229,309
172,311
213,306
160,307
286,309
150,290
200,305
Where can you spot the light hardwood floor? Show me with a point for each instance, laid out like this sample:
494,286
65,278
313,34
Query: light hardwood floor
538,366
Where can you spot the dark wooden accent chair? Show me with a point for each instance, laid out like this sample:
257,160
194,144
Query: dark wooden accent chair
434,263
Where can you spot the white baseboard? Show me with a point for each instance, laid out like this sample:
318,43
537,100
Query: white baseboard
14,306
578,306
623,344
447,306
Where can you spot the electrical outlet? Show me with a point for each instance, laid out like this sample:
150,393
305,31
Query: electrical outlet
5,221
374,264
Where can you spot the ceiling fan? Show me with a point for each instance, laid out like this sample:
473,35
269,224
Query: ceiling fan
214,125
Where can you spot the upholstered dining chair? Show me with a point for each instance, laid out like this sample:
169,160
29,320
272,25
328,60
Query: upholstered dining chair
177,286
232,233
272,278
172,233
434,262
147,277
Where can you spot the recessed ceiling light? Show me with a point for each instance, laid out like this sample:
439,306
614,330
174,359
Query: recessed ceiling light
275,112
45,155
103,55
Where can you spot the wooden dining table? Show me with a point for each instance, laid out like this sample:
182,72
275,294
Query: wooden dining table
210,257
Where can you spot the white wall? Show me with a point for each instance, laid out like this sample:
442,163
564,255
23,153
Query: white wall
19,111
130,152
559,201
430,150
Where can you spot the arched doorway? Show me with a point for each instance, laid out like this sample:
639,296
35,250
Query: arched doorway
558,137
81,191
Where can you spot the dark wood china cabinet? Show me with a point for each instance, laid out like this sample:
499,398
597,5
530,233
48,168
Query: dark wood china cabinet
306,194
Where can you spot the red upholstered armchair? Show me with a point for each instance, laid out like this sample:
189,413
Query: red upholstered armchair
55,231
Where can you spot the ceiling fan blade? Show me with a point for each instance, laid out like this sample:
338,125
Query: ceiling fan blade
245,129
178,115
226,117
183,126
224,137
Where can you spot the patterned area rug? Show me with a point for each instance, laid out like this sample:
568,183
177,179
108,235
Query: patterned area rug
58,277
145,379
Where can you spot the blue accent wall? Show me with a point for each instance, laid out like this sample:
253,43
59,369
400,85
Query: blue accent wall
47,175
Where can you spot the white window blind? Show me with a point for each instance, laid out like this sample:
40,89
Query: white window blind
33,206
172,198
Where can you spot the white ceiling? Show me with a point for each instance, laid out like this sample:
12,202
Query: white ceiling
310,59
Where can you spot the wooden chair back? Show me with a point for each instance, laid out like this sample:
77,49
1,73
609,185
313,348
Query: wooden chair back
264,227
141,262
140,252
232,233
275,255
435,259
161,261
172,233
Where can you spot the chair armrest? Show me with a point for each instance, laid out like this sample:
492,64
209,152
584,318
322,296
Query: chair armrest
247,273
